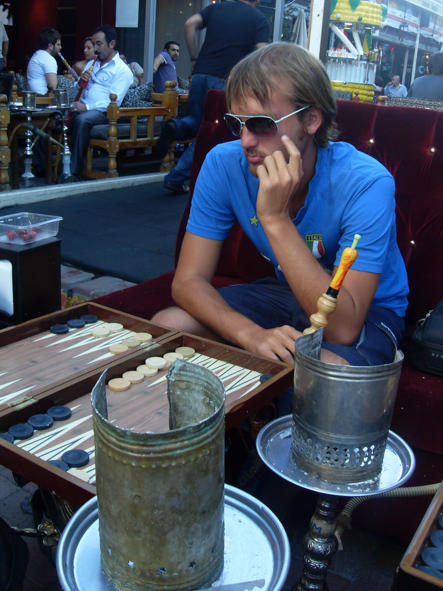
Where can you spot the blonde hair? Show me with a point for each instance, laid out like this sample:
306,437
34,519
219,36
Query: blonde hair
258,74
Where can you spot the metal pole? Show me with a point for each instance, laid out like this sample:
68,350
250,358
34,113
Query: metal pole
417,42
318,33
405,65
278,20
151,6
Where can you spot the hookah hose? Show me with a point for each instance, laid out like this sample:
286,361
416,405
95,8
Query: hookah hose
83,85
70,70
36,131
40,133
344,519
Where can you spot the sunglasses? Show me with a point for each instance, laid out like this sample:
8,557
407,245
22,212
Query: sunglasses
259,125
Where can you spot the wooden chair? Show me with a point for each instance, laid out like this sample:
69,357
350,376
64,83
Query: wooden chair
5,152
133,128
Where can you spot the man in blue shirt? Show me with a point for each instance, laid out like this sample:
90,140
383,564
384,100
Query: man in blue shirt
164,68
394,88
301,198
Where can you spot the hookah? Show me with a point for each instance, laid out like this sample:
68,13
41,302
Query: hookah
29,105
61,102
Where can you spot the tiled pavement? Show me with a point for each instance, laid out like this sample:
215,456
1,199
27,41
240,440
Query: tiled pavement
368,561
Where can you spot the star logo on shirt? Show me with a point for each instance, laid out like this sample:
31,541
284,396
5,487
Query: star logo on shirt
254,221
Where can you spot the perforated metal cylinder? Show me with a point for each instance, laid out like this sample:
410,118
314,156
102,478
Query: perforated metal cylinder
160,495
341,417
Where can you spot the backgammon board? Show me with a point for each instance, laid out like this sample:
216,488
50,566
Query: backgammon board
78,363
34,361
417,570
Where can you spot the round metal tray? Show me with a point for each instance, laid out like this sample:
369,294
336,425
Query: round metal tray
249,525
274,447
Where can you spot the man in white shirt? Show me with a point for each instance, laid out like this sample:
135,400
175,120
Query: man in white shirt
110,75
42,67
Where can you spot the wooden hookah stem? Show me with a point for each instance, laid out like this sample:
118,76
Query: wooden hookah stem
327,302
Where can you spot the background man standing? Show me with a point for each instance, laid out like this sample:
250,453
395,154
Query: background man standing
109,76
4,46
430,87
394,88
42,67
233,30
164,68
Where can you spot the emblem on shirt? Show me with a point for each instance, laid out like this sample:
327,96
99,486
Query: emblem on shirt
315,243
254,221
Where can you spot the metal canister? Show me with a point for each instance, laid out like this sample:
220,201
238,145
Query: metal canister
341,416
160,495
29,100
61,98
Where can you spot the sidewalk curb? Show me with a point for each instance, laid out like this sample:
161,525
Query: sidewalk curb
49,192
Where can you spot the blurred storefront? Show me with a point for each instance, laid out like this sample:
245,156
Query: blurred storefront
411,31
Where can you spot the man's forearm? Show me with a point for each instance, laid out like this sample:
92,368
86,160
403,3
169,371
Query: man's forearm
158,61
191,41
203,302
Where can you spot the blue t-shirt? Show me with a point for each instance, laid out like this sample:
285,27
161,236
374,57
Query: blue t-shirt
350,193
164,73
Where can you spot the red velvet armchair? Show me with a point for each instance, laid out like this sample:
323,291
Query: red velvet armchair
409,142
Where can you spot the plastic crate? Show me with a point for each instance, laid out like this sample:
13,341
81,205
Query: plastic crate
27,228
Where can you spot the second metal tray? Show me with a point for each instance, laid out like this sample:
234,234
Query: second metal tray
274,447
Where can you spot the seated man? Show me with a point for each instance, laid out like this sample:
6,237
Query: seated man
301,198
394,88
42,67
110,75
137,72
164,67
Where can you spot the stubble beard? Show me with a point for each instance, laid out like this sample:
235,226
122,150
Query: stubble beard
299,142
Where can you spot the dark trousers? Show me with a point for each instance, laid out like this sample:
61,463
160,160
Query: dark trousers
80,130
188,126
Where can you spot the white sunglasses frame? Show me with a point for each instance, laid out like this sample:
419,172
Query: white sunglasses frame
247,117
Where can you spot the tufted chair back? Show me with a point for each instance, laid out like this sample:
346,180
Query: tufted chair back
409,143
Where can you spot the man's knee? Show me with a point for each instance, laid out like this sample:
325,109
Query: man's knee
177,319
167,317
180,320
88,119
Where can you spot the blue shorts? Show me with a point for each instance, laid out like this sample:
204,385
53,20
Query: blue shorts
270,302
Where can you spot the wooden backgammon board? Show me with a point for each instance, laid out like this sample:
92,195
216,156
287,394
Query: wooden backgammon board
143,407
410,576
35,362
